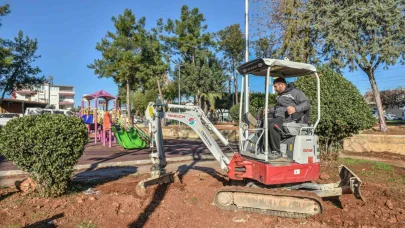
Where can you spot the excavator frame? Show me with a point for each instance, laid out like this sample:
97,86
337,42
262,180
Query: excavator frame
286,190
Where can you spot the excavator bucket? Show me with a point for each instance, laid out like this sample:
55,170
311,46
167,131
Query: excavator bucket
163,179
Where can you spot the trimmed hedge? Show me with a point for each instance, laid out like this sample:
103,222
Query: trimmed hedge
47,147
234,112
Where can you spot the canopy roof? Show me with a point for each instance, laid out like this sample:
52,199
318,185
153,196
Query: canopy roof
99,94
279,68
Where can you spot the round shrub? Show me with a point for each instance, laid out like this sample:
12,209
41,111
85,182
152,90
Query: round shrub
47,147
344,111
234,112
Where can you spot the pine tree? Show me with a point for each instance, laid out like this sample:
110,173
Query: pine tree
187,37
285,29
17,72
361,34
232,43
124,56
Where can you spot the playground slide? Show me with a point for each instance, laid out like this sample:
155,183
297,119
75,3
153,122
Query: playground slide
134,136
125,140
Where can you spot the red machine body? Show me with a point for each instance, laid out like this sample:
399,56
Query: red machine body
244,168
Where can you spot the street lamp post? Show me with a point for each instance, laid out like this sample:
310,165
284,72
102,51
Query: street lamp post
246,77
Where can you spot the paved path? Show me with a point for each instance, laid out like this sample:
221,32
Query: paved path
95,155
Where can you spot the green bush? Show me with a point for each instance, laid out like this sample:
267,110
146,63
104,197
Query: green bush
234,112
256,105
47,147
344,111
257,101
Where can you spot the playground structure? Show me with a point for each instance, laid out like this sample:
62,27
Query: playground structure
102,126
105,123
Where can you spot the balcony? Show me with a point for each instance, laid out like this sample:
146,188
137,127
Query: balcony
66,93
62,102
25,92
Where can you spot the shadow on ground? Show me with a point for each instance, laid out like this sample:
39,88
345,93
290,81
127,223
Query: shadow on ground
161,190
92,178
46,223
5,196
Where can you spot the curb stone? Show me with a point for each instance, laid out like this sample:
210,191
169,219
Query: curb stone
10,173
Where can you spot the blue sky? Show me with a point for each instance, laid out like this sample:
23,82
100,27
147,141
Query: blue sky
67,32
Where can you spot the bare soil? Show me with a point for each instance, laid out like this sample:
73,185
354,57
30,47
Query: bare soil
189,204
392,130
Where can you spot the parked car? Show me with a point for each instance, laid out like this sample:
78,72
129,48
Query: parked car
374,113
390,116
5,117
38,111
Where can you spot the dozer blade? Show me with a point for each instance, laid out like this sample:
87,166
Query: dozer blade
351,181
283,203
163,179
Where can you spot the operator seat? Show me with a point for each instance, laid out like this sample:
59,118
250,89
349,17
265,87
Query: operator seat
293,127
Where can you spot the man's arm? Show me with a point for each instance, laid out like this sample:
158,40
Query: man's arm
303,103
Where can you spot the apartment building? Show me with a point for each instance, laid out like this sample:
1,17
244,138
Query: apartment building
61,96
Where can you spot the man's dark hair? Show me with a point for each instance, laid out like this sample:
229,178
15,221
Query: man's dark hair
282,80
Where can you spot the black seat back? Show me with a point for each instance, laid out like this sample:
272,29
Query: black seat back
305,117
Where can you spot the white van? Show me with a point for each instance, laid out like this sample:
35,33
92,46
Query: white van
38,111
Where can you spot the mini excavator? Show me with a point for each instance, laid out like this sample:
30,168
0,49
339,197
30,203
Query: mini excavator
285,189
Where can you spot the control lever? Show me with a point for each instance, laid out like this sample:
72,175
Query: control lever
280,130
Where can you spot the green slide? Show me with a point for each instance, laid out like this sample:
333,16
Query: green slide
128,140
135,136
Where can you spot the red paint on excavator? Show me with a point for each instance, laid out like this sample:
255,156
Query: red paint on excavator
244,168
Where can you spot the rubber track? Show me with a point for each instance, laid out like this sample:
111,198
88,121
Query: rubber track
293,193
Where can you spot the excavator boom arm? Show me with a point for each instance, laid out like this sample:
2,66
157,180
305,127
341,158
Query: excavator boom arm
192,116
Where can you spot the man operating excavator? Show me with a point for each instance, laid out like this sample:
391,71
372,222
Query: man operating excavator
291,105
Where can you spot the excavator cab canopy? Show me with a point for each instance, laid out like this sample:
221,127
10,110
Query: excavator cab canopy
270,68
279,68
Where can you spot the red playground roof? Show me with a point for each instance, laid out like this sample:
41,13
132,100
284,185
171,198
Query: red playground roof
100,94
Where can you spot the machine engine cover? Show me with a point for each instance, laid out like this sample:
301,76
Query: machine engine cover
244,168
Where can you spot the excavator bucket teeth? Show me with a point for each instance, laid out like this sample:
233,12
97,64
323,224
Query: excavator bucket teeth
350,180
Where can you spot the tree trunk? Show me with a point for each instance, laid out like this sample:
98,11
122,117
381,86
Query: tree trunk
160,94
205,106
229,85
198,98
163,121
377,98
128,101
2,96
236,88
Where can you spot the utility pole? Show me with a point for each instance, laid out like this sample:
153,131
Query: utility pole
50,82
246,77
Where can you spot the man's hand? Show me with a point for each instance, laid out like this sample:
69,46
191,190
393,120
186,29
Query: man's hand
290,110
